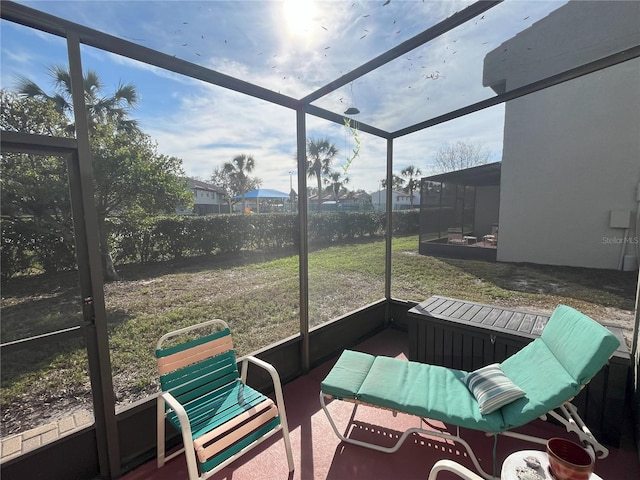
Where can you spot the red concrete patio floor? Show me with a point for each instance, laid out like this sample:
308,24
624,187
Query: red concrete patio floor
318,453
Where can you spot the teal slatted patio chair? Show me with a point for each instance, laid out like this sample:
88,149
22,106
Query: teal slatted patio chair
207,399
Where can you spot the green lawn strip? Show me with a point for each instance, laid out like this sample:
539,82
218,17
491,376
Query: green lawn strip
260,301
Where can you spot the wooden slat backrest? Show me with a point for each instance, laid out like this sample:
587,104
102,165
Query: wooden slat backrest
193,351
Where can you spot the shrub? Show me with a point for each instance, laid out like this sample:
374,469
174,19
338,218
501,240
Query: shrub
141,239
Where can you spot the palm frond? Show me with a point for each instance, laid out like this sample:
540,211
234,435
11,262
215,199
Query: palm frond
128,93
61,79
28,88
92,85
62,105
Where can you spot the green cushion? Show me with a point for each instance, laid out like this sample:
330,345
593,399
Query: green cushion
428,391
580,344
550,370
492,388
546,383
346,376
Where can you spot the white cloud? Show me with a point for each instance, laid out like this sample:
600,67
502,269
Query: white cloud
206,125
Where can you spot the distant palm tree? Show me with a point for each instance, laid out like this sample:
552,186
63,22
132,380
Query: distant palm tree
101,108
238,170
320,154
414,183
336,184
397,182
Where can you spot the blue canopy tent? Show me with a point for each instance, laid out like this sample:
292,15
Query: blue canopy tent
262,193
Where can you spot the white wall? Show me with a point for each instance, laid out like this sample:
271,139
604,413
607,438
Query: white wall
398,200
571,152
571,155
202,197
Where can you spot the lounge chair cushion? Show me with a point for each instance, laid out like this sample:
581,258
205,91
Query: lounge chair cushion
546,382
554,367
428,391
346,377
492,388
569,331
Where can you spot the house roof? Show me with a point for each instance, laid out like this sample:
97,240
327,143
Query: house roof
264,193
481,176
200,185
574,34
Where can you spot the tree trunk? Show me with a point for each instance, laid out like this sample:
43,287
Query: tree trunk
108,268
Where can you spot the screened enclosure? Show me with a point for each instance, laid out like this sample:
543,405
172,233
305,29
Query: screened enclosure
295,287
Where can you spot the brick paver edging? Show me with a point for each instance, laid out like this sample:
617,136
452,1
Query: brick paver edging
16,445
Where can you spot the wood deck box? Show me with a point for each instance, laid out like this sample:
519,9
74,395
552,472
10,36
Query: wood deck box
467,335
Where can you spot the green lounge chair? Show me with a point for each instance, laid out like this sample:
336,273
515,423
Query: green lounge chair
545,376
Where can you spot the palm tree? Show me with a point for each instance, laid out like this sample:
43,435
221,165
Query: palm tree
110,111
320,154
238,170
112,108
336,184
414,183
397,182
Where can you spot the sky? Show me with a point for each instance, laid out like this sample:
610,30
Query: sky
294,48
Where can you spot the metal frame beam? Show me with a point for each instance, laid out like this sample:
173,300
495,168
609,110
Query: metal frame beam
91,276
18,142
303,249
571,74
429,34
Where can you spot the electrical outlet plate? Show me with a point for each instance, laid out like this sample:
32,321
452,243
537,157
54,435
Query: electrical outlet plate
620,219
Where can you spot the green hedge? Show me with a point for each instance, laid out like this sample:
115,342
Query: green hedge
167,238
29,245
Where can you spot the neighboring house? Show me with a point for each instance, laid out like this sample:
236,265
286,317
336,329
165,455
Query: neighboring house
399,200
207,198
356,200
570,176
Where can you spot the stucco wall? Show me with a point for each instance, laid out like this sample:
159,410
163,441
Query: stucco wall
571,155
571,152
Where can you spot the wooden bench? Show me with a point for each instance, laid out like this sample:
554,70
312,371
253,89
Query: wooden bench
467,335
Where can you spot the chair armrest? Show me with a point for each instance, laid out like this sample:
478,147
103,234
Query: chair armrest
181,413
275,378
451,466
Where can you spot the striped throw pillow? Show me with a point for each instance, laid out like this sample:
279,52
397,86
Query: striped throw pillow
492,388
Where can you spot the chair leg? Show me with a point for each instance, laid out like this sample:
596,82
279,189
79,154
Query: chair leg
287,443
190,455
283,423
456,438
160,431
277,387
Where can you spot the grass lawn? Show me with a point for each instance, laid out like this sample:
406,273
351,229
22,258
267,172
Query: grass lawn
258,295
